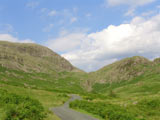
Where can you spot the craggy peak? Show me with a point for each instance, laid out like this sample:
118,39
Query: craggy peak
32,57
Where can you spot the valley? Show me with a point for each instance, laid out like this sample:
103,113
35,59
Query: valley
66,113
125,90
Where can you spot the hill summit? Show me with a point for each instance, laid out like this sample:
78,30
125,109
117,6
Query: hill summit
124,69
32,57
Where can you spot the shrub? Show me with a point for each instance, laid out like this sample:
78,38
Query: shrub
150,106
21,107
151,103
105,111
94,96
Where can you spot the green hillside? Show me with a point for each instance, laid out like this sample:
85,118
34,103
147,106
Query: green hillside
125,90
130,89
122,70
137,71
34,71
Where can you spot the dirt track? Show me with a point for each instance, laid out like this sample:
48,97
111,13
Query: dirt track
65,113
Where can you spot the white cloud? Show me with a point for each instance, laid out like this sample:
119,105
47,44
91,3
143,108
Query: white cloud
8,37
32,4
66,42
52,13
129,2
91,51
133,4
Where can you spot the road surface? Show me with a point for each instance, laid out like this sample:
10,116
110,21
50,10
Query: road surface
65,113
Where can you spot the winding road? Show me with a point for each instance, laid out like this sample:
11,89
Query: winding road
65,113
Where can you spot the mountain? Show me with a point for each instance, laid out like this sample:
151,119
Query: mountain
34,66
126,89
125,69
31,57
135,71
46,69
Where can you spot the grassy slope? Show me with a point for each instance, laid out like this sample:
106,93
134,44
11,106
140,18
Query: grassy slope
48,99
38,72
63,82
131,84
139,95
144,108
131,80
50,91
146,83
122,70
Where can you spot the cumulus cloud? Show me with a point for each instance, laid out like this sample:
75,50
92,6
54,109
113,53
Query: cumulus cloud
91,51
8,37
66,42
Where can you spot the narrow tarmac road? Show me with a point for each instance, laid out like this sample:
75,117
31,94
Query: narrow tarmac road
65,113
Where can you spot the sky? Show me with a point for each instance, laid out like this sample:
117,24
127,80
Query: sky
88,33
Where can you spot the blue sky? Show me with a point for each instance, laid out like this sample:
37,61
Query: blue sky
89,33
30,17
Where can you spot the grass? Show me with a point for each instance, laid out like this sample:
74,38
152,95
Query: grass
51,90
104,110
1,112
65,82
139,95
20,107
48,99
145,108
136,95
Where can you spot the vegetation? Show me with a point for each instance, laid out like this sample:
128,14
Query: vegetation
105,111
145,109
65,82
46,98
137,98
34,79
17,107
31,57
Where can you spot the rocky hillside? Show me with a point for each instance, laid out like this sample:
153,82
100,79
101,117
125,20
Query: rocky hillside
122,70
135,75
31,57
